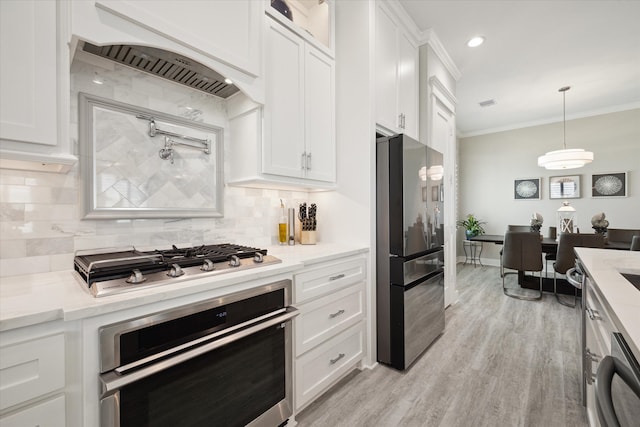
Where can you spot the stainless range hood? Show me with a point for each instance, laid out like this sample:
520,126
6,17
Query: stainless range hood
167,65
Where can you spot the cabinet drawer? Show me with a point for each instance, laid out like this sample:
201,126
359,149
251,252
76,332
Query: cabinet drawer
50,413
324,317
321,367
599,319
30,369
329,278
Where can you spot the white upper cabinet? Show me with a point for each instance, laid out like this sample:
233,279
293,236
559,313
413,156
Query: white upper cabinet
300,109
396,75
290,142
312,20
319,102
33,83
224,35
284,109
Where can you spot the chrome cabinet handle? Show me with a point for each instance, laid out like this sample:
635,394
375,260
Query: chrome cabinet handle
333,361
336,314
303,161
339,276
591,357
594,357
309,161
114,380
403,121
593,314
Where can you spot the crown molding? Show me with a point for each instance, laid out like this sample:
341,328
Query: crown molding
430,37
581,115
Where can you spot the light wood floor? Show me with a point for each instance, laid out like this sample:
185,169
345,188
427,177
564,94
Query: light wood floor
500,362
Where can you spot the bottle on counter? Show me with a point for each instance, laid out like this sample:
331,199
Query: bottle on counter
282,225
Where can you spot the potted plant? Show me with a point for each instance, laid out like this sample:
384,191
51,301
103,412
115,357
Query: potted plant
472,225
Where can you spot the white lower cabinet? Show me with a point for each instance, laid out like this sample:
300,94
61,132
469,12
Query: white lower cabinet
329,332
32,371
50,413
321,367
599,327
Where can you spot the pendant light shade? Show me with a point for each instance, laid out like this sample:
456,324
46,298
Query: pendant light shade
566,158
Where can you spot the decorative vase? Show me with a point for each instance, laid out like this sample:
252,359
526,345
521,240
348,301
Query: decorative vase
600,230
282,7
470,234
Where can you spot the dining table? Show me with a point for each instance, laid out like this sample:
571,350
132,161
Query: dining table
549,245
550,248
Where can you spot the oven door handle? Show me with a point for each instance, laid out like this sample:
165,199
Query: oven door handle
112,381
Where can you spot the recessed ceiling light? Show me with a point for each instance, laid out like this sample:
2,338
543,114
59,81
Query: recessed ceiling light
475,41
228,81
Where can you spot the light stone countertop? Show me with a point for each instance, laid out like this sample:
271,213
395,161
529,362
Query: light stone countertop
37,298
622,298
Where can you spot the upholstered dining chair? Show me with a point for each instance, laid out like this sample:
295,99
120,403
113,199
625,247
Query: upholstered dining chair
510,227
522,251
566,257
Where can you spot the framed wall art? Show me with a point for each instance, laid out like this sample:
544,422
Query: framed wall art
564,187
435,193
526,189
612,184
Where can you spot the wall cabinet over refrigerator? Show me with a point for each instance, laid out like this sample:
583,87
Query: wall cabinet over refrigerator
396,74
34,80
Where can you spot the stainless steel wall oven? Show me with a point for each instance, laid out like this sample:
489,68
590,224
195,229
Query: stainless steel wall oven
225,361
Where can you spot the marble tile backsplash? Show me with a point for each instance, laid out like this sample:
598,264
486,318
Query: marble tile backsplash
41,218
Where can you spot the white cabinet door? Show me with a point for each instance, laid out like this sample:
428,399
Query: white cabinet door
386,70
396,75
28,71
300,108
283,147
31,369
319,116
48,413
408,85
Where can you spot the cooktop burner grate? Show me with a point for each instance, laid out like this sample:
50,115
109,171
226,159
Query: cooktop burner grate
130,268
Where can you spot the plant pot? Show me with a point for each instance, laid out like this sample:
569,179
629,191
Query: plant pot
470,234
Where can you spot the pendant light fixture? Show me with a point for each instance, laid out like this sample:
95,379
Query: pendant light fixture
567,158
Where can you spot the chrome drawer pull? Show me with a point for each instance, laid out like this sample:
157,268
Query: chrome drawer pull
339,276
333,361
336,314
592,357
593,314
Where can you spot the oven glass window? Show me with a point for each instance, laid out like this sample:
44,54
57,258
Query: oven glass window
228,386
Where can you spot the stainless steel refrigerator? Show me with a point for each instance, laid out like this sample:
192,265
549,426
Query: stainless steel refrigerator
410,257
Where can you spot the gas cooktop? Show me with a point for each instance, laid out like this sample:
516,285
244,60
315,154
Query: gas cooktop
112,271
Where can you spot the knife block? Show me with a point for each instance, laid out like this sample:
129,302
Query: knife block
308,237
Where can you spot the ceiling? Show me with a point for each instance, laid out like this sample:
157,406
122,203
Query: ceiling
532,49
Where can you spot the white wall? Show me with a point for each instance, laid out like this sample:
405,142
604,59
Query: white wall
489,164
438,133
352,217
